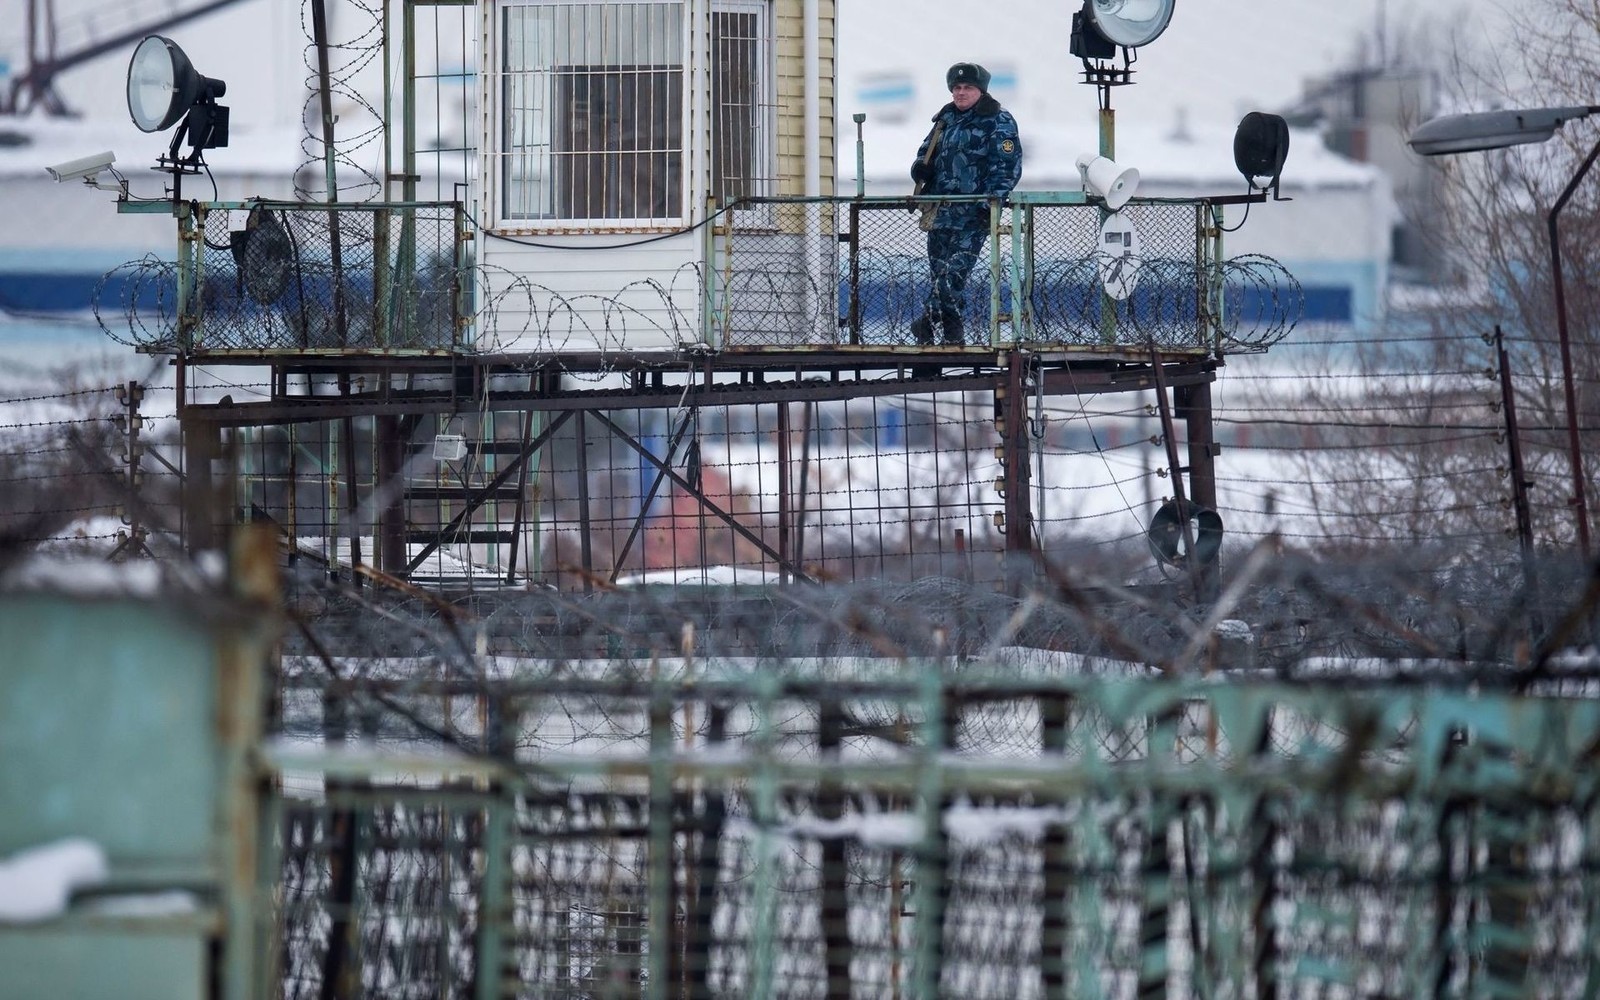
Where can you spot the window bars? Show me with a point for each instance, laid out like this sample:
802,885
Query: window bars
592,119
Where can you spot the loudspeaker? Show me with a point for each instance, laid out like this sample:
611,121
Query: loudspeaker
1103,177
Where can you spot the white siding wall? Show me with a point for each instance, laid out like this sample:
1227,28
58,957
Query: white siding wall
553,291
570,294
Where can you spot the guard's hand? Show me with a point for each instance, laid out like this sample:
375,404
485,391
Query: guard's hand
922,172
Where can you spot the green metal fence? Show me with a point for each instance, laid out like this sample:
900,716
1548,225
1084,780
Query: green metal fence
876,828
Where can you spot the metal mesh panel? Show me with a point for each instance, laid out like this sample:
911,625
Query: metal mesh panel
880,268
743,828
284,276
1163,276
781,272
781,257
883,277
896,487
379,893
777,281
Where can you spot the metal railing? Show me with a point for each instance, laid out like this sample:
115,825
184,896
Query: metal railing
294,277
291,277
1046,275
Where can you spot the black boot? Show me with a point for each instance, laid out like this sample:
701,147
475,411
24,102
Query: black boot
954,332
922,330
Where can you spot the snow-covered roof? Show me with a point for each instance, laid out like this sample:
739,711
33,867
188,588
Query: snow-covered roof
1186,157
29,144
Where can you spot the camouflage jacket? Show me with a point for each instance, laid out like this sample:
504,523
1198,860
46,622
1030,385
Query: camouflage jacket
978,152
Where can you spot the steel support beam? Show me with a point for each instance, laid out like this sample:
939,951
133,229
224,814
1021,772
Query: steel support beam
1013,427
310,409
390,495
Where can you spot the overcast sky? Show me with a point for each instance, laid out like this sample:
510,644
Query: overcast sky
1219,58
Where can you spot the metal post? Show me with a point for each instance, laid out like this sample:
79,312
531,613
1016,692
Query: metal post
784,489
1195,403
764,809
520,512
808,415
928,893
352,496
1574,447
698,918
319,31
665,967
1016,472
253,578
854,243
1185,510
1519,480
861,156
834,900
390,492
995,275
500,805
1108,149
1055,714
191,233
132,505
201,443
585,543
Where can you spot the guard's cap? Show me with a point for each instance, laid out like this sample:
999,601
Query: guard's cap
967,73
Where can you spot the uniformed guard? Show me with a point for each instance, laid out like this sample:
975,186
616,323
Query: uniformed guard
973,149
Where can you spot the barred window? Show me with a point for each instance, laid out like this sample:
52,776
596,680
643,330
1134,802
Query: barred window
592,109
737,128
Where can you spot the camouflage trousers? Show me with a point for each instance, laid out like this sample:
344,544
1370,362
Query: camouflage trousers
952,254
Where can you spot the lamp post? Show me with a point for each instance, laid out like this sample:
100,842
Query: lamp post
1496,130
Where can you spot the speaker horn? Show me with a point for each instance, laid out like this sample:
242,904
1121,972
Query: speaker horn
1105,178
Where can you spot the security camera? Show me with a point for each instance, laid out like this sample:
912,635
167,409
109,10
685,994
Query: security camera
85,167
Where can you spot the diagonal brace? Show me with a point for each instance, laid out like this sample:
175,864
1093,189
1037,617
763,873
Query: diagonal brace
699,495
477,500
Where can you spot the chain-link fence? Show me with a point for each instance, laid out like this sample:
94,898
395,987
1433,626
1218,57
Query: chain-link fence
1052,270
287,277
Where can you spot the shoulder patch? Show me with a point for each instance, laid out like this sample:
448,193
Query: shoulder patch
1008,146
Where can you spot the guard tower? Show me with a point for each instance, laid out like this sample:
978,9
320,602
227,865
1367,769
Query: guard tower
636,293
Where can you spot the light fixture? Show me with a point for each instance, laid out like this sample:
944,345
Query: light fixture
1260,147
1104,25
163,88
1479,130
1113,183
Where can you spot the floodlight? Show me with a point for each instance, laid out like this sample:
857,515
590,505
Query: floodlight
1469,133
163,85
1102,25
1101,176
1260,147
